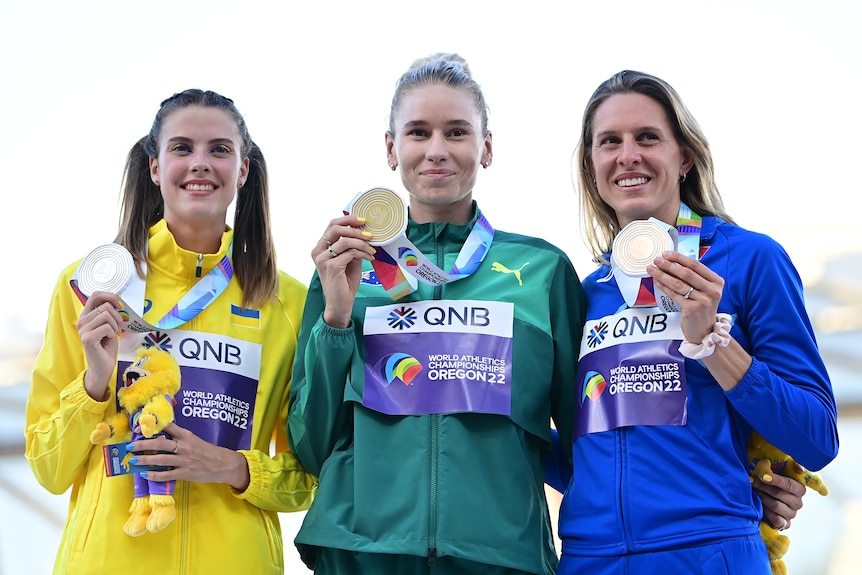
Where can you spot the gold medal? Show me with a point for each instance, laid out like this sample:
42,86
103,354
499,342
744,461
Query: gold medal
385,214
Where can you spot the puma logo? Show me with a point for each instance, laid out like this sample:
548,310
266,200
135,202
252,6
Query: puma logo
498,267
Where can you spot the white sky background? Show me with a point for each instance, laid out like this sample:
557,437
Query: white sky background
774,85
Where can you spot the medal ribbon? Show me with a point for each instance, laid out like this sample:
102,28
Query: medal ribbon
201,295
640,291
400,264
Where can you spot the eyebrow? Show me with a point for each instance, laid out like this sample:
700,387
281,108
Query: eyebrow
640,129
415,123
211,142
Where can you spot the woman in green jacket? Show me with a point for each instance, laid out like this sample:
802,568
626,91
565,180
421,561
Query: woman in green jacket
426,412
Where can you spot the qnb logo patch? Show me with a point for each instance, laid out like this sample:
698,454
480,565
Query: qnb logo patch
597,334
159,339
594,385
401,318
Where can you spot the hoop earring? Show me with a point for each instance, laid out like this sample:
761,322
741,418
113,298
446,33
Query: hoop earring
682,178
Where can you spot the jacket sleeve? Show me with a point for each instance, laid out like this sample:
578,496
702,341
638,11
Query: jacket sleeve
568,312
280,482
60,413
786,393
318,412
558,467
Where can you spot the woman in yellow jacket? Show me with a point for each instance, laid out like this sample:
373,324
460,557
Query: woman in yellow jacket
235,355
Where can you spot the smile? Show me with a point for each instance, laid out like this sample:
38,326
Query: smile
632,182
200,187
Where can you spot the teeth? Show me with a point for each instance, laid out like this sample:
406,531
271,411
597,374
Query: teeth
200,187
632,182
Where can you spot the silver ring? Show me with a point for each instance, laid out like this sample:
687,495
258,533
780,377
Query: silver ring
329,243
177,448
331,252
783,527
688,293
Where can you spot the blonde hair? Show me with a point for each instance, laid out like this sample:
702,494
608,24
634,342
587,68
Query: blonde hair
699,190
441,68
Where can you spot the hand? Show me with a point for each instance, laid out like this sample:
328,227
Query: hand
782,498
99,327
695,288
193,459
338,257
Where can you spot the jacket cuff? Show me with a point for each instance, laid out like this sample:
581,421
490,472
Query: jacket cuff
76,394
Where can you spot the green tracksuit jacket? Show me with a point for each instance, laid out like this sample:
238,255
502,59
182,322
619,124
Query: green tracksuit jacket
468,485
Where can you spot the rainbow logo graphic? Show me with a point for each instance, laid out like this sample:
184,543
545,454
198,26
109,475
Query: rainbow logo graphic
594,385
398,366
408,257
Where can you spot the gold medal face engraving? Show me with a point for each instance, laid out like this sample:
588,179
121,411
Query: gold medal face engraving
384,212
638,244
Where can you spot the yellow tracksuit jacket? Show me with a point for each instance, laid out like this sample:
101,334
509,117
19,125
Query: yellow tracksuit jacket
217,529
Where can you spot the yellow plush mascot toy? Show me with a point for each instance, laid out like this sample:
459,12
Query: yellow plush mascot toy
764,460
147,407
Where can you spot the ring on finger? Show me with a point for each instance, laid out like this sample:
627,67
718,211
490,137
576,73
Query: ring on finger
783,527
177,448
332,252
329,243
688,293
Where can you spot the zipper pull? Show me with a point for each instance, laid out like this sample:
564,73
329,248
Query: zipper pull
432,557
200,264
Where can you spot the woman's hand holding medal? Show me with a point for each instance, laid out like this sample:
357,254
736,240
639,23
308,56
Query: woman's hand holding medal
338,257
694,287
99,327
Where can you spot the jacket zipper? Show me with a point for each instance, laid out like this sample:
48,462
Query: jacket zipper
199,267
621,487
432,499
184,530
434,432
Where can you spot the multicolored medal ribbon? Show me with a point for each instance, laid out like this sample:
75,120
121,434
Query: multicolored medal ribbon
111,268
639,243
398,263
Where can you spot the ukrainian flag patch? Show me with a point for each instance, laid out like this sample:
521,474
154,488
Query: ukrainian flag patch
245,317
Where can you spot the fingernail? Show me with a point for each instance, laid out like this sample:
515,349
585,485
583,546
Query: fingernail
373,251
133,460
361,219
130,447
144,474
367,234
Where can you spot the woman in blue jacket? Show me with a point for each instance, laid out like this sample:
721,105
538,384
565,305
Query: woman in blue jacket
696,334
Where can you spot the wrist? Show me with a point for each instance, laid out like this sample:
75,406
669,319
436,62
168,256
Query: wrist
718,337
240,477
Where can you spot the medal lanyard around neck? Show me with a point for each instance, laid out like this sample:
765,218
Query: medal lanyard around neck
400,264
638,290
111,268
